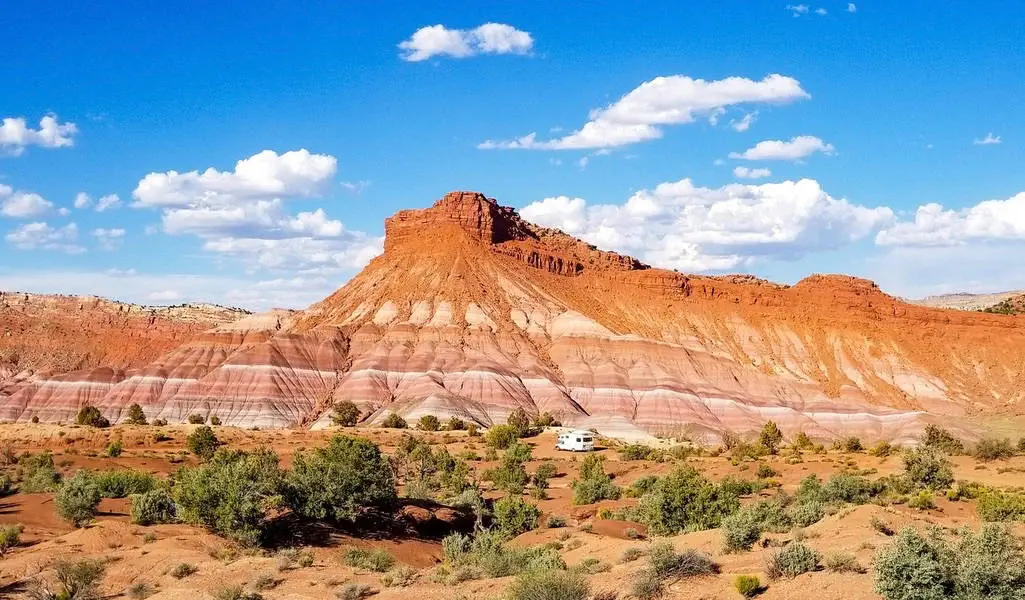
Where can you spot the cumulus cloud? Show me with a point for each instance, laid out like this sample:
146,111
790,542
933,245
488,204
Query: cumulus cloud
851,7
109,239
16,134
796,149
22,205
747,173
933,225
108,202
798,9
683,226
489,38
989,140
821,12
744,123
42,236
640,115
83,200
243,212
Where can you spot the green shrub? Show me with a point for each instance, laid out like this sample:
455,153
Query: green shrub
747,586
197,419
183,570
35,418
472,430
545,420
770,437
202,442
234,592
549,585
215,420
91,416
231,494
542,477
635,452
428,423
123,483
38,473
6,485
765,471
402,576
741,530
510,475
842,562
520,422
10,537
345,414
135,415
844,487
993,449
739,487
922,501
915,567
928,468
642,486
881,449
631,554
341,481
501,437
77,498
594,484
804,514
941,440
140,590
152,507
670,565
514,516
996,505
792,560
849,444
75,580
455,424
647,585
555,521
114,449
375,559
160,422
881,526
682,501
355,591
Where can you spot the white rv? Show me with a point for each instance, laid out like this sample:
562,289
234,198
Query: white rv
576,441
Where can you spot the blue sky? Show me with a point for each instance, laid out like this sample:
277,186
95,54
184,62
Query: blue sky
872,120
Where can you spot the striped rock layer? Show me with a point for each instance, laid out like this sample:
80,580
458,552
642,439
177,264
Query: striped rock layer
473,312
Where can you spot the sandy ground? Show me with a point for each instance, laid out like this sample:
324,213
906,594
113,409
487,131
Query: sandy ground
134,559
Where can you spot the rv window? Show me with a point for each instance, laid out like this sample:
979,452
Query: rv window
588,440
578,439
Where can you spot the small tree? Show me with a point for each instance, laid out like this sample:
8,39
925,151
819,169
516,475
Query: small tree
394,421
942,440
770,437
501,436
135,415
215,420
38,473
514,516
202,442
455,424
345,414
196,419
928,468
91,416
520,422
77,499
510,474
114,448
429,423
542,478
154,506
594,484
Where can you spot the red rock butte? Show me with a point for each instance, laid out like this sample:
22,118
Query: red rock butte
472,311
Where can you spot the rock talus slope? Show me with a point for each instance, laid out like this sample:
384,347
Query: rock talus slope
472,311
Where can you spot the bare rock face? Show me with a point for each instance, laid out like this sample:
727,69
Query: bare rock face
473,312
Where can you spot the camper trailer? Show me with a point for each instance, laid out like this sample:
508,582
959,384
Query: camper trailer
576,441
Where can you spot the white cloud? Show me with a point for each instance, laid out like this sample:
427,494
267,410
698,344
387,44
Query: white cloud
990,139
746,173
42,236
798,9
933,225
355,187
22,205
489,38
164,296
679,225
108,202
744,123
16,135
243,212
677,99
83,200
851,7
796,149
109,239
821,12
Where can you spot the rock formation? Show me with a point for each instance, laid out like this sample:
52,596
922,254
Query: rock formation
473,312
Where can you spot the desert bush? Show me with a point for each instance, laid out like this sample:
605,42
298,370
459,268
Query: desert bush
851,489
594,484
123,483
501,437
556,521
545,419
519,420
472,430
747,586
355,591
510,475
345,414
765,471
684,500
592,566
928,468
803,514
6,485
993,449
642,486
741,530
542,477
394,421
632,534
140,590
91,416
376,559
135,415
635,452
215,420
842,562
428,423
514,516
792,560
114,449
646,585
234,592
549,585
401,577
455,424
35,418
289,558
75,580
10,537
152,507
849,444
183,570
770,437
801,441
881,449
230,494
77,498
196,419
160,422
486,554
341,481
202,442
996,505
941,440
922,501
665,566
631,554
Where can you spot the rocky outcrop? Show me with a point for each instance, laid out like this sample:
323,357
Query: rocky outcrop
472,311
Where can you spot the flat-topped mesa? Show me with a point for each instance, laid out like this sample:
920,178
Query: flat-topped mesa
479,218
